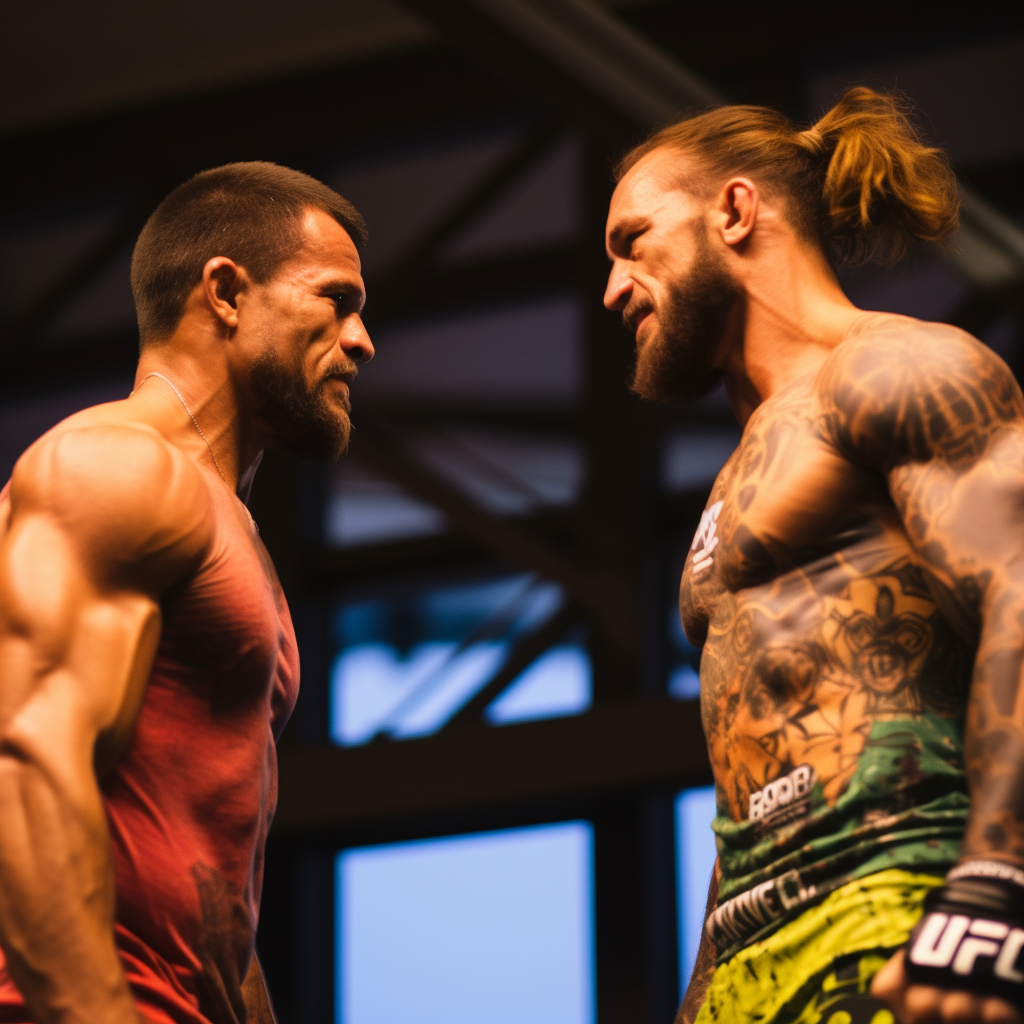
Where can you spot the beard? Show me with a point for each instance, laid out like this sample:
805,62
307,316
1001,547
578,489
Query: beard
301,418
677,361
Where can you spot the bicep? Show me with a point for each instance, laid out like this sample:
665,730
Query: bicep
942,418
74,650
101,522
967,520
921,393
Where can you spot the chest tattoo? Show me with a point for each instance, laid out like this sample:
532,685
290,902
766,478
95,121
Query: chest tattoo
706,539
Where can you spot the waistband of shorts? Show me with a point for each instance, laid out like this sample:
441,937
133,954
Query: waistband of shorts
735,922
873,914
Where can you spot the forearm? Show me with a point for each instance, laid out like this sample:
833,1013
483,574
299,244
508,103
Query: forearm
258,1008
704,967
994,734
57,900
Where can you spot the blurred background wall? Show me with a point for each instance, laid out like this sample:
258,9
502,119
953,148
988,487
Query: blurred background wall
494,798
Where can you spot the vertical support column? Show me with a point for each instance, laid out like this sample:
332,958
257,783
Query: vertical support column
635,890
660,902
297,927
621,989
315,946
289,503
633,836
621,452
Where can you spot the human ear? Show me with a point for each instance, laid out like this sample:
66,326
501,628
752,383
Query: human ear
223,282
737,207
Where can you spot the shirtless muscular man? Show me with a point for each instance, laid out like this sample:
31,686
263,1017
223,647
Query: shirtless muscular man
147,657
857,580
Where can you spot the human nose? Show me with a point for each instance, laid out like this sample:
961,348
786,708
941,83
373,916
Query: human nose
355,342
619,288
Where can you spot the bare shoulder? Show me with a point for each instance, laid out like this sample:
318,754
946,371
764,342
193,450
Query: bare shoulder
899,389
119,491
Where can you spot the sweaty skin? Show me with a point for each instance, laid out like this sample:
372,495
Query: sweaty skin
100,518
867,560
107,517
862,554
817,613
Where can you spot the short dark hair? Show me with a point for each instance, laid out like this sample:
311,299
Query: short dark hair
250,212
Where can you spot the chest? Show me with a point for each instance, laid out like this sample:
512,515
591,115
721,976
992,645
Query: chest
785,499
227,633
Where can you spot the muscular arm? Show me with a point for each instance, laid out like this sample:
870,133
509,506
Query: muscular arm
704,966
99,523
942,417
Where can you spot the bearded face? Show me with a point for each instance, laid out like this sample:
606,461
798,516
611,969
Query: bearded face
300,416
676,362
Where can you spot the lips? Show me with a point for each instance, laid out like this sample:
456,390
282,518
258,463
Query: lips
342,385
635,317
641,319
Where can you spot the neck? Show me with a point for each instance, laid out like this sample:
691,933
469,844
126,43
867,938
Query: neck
198,411
791,319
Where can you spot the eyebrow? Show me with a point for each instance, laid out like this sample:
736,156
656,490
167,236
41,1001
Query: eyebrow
617,235
346,288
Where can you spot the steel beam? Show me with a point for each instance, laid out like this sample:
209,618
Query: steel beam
422,255
532,273
525,652
616,749
575,56
588,586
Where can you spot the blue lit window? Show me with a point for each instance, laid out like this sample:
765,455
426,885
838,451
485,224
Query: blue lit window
557,683
493,928
407,666
695,859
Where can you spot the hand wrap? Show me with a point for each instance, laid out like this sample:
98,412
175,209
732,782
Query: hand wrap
972,933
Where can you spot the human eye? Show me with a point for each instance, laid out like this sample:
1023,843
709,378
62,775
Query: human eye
345,302
630,241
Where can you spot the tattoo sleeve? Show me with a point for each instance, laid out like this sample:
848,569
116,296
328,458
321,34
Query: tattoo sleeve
941,417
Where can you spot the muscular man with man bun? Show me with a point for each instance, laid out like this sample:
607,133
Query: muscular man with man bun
147,658
857,579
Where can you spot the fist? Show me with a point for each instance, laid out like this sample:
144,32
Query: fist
923,1004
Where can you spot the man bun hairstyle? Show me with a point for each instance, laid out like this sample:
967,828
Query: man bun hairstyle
861,181
249,212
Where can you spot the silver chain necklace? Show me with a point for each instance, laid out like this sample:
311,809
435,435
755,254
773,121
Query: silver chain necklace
209,447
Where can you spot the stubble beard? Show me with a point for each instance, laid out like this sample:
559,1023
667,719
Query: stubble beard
677,362
300,418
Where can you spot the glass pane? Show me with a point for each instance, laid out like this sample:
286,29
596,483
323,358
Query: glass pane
557,683
407,665
695,860
493,928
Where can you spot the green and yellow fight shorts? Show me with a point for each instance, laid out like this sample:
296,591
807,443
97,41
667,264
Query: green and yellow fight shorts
818,967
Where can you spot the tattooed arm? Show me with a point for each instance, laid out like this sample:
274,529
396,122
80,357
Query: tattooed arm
941,416
704,966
